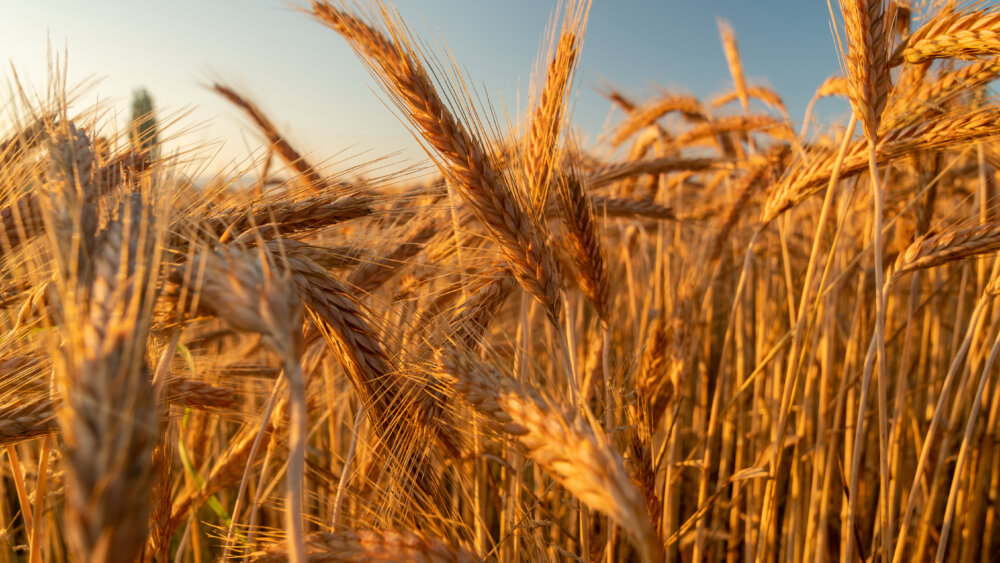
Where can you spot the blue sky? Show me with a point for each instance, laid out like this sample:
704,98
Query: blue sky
309,82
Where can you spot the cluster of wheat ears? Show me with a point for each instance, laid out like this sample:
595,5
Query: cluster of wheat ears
713,337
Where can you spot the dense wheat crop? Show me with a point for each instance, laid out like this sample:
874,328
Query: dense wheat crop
715,335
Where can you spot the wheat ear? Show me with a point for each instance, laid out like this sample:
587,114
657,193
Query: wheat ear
357,546
462,156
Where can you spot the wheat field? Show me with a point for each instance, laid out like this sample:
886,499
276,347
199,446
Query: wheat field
717,334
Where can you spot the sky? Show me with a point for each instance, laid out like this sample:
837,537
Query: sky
309,82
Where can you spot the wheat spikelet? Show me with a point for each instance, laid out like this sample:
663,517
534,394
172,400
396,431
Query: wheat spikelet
963,34
868,79
547,119
371,545
619,99
832,86
287,218
736,124
936,249
659,376
68,202
613,172
641,117
585,242
923,98
632,208
766,95
192,393
22,220
244,290
732,51
22,141
278,143
473,315
22,421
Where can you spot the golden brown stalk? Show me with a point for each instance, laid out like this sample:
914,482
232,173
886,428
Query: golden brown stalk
644,116
358,546
868,79
462,156
869,83
567,448
547,119
963,34
585,242
292,158
732,51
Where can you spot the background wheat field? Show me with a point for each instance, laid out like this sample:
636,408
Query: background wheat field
719,334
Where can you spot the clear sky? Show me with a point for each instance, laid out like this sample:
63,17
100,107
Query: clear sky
312,86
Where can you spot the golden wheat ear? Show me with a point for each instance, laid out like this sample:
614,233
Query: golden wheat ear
460,154
566,446
110,419
371,545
